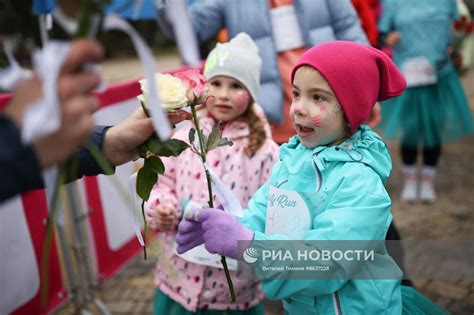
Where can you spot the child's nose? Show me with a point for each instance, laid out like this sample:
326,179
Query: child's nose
223,93
299,109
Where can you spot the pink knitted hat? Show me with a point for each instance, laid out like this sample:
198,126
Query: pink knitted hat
358,74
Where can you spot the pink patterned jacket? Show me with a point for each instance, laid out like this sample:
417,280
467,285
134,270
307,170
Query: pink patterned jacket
196,286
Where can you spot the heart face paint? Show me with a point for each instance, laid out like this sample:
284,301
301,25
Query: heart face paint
328,113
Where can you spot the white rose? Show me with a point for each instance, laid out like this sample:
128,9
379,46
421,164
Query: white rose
172,91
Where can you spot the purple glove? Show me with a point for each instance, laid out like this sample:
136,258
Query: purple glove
219,230
189,235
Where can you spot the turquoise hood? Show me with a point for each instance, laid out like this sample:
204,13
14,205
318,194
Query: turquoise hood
348,201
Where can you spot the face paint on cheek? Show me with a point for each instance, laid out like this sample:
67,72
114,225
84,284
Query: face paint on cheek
242,99
331,111
317,121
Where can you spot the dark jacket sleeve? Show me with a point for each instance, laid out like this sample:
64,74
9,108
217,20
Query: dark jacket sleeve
19,168
87,164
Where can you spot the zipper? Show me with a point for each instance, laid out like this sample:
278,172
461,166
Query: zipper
318,173
336,303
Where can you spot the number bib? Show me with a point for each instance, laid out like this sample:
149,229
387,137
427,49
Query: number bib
419,71
286,30
287,213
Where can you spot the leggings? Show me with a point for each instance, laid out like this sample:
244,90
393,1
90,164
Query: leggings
430,155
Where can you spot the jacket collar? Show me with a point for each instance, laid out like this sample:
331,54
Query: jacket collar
364,146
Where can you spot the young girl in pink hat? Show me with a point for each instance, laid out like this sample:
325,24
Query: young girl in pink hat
327,186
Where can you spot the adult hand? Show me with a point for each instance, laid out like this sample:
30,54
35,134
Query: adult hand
178,116
75,85
76,127
121,142
220,231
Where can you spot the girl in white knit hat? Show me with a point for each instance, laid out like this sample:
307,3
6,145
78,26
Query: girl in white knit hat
194,283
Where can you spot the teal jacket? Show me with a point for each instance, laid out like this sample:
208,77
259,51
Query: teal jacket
350,203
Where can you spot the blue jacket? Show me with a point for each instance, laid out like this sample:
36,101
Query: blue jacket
19,167
320,21
346,184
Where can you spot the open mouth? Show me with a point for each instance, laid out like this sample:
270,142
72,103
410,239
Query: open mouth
303,130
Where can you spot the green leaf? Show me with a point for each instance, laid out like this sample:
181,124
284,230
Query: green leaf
170,147
146,179
155,164
191,135
214,137
157,147
176,146
142,150
224,141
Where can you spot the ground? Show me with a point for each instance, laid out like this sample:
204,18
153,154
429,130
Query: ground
131,291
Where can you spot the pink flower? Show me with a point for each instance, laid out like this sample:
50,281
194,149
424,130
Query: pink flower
196,84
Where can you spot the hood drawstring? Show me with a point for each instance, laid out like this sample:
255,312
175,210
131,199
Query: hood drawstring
347,148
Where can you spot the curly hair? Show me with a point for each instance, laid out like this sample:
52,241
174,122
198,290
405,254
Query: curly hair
257,133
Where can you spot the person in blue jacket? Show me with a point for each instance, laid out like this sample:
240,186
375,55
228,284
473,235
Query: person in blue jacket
21,164
334,170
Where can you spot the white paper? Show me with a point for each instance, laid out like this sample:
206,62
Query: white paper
44,116
286,30
159,119
184,32
199,255
226,197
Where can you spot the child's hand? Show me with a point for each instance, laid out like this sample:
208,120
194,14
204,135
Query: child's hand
392,39
220,231
165,217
